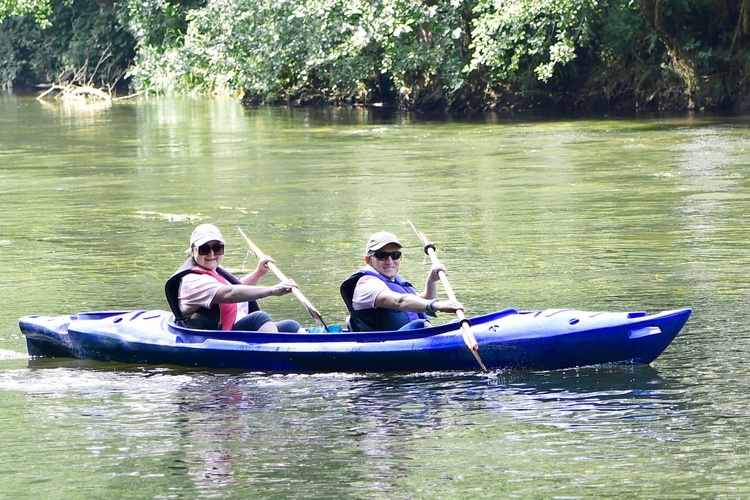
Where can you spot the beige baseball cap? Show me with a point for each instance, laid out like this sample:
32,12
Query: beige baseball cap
203,234
379,240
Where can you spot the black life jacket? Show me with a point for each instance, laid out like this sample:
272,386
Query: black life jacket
203,318
378,318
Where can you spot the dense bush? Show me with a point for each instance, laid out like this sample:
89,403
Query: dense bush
270,50
66,42
443,53
40,10
707,46
428,55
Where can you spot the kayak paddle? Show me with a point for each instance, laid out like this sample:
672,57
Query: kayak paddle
310,308
466,332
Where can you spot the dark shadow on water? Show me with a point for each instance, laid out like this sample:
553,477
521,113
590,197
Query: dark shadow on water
577,380
612,388
242,429
585,380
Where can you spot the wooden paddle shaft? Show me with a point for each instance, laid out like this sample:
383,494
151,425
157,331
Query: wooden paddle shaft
466,332
280,275
295,291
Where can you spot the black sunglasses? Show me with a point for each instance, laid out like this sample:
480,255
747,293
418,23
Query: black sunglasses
205,249
382,255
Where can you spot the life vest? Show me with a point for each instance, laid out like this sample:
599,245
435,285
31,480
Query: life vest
219,316
378,318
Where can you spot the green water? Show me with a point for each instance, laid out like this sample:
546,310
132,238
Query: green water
97,206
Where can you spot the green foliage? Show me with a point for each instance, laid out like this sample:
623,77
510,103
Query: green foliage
40,10
424,54
358,49
426,50
160,23
528,40
81,44
19,18
162,62
419,54
704,51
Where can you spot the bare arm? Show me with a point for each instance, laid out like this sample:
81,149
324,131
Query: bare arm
415,303
430,287
260,271
244,293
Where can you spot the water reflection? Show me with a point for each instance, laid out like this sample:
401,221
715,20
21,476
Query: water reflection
596,214
331,434
368,420
592,399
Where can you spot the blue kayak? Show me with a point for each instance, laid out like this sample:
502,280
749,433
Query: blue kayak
508,339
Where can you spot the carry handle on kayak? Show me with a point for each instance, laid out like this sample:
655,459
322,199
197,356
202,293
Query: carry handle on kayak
466,333
260,255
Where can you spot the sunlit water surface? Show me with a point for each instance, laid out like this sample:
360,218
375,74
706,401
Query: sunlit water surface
597,214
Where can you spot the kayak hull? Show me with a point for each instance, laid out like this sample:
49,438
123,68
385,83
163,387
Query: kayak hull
533,340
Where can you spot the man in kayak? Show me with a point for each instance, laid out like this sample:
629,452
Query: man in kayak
204,295
379,299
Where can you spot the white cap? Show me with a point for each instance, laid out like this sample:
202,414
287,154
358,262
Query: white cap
379,240
203,234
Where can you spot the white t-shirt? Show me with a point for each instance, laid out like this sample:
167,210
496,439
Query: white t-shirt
199,290
367,290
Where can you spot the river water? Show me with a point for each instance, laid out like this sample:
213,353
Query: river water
647,213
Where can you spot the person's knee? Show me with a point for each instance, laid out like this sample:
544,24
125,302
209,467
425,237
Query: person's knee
253,321
288,325
260,318
416,324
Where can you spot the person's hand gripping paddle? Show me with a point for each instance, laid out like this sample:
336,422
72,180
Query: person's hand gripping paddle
310,308
466,332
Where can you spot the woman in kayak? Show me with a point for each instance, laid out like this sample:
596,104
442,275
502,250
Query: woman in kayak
379,299
204,295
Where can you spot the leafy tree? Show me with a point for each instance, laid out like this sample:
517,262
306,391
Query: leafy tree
41,10
706,47
529,38
76,42
352,50
431,54
162,60
418,54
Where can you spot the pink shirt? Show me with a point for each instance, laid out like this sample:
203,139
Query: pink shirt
199,290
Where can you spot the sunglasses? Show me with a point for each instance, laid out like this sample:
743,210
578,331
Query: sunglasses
205,249
381,255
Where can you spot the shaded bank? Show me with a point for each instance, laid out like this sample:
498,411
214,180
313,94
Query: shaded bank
440,55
